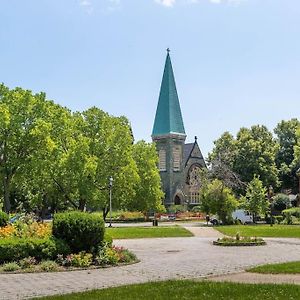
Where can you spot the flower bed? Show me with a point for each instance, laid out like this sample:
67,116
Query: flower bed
75,241
107,256
239,241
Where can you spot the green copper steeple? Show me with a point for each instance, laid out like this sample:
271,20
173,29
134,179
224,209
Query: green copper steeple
168,118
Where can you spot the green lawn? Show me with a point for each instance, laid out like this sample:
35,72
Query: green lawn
283,268
288,231
190,290
147,232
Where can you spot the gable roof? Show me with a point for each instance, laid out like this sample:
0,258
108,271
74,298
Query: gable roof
168,118
188,150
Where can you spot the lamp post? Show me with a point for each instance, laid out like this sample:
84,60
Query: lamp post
110,206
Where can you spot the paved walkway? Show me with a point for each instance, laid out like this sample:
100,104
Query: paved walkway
161,259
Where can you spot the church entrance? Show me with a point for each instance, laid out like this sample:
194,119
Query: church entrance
177,200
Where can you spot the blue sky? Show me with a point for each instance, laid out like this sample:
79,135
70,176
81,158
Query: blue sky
236,62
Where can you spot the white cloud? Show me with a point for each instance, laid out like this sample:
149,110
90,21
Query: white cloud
87,5
167,3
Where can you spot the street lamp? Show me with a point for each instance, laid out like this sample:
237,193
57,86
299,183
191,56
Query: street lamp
110,206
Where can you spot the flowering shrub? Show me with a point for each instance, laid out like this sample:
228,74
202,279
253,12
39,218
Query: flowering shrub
27,262
113,255
7,231
24,230
82,260
48,266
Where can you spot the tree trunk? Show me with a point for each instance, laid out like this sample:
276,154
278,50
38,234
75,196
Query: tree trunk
6,188
81,206
105,211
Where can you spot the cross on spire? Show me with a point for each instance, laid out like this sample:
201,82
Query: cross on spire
168,50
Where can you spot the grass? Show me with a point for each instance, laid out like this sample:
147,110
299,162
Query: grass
188,289
147,232
283,268
287,231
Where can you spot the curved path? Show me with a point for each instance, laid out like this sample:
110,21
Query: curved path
161,259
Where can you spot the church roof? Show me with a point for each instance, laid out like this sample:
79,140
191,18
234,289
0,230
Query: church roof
187,149
192,150
168,118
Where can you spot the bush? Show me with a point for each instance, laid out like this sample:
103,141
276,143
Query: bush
196,209
281,202
14,249
278,219
48,266
3,218
295,211
132,216
11,267
27,262
81,231
81,260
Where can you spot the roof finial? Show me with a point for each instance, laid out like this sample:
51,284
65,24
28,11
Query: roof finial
196,139
168,50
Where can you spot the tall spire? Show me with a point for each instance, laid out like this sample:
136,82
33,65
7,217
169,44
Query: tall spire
168,118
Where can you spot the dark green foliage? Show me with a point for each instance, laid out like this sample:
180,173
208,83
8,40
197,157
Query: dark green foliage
3,218
14,249
82,231
281,202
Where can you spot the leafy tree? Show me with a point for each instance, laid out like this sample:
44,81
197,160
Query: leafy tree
287,139
148,190
256,154
218,199
255,200
225,150
21,117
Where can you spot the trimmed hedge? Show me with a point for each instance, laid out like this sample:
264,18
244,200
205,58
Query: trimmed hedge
14,249
82,231
3,218
294,211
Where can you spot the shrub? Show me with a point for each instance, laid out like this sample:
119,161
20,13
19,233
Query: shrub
133,216
48,266
7,231
14,249
295,211
3,218
82,260
281,202
196,209
278,219
27,262
10,267
82,231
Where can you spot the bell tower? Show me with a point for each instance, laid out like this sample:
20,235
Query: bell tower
169,135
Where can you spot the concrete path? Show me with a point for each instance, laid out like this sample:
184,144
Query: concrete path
161,259
245,277
203,231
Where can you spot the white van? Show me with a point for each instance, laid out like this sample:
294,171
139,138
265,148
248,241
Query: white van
243,216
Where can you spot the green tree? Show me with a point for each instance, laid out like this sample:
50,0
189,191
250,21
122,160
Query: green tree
256,154
287,139
149,194
255,200
224,151
218,199
21,117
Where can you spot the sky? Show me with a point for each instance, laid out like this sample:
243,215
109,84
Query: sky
236,62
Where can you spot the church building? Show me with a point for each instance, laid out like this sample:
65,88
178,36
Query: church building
179,163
